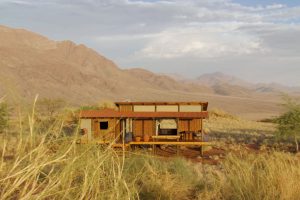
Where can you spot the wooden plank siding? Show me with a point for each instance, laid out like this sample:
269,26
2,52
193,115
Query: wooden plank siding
138,127
148,127
195,125
190,125
183,125
125,108
95,129
105,135
143,127
118,130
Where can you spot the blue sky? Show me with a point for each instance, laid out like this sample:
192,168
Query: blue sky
255,40
267,2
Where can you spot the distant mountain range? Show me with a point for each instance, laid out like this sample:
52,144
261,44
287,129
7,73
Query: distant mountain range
32,64
228,85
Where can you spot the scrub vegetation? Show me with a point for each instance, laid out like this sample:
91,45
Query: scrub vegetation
289,122
40,159
3,116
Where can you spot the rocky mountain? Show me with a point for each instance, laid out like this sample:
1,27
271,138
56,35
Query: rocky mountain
161,81
224,84
219,78
32,64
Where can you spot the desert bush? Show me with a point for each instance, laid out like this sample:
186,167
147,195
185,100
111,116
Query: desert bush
3,116
289,122
89,107
106,104
219,113
99,106
49,108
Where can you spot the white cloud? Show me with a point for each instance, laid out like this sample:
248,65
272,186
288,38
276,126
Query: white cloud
159,33
275,6
200,42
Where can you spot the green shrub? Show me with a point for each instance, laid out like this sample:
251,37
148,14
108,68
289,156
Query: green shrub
3,116
289,122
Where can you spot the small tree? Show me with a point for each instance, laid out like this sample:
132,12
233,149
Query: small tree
289,122
106,104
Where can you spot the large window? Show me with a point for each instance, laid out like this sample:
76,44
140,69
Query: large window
104,125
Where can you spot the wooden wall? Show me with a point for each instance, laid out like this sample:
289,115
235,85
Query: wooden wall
183,125
140,127
195,125
149,127
143,127
190,125
108,134
125,108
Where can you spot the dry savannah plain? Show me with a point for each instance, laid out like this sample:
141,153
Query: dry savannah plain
253,130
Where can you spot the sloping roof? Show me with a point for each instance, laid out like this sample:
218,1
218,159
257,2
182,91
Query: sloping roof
99,113
110,113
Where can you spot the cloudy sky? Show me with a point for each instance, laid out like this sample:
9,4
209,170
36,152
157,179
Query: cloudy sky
257,40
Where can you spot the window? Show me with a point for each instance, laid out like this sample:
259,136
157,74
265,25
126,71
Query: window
103,125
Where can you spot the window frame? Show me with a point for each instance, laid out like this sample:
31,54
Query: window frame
103,126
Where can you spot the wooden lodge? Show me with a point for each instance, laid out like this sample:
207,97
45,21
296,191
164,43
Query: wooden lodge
146,123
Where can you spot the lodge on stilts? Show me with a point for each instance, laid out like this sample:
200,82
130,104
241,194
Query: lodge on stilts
133,124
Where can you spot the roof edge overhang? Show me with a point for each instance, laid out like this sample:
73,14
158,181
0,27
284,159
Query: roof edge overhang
141,115
161,103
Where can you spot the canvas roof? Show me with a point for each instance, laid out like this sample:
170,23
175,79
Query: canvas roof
204,104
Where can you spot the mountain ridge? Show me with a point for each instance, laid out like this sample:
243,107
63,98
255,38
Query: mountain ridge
32,64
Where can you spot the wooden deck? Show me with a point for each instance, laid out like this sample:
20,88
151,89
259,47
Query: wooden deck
163,142
153,144
195,143
166,137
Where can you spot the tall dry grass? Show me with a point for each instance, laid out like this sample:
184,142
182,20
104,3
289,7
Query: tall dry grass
267,176
39,163
49,165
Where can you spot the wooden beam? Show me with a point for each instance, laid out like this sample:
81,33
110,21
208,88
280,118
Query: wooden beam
115,128
171,143
177,147
202,137
167,137
123,131
143,127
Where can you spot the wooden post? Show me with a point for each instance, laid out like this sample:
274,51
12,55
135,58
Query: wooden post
132,147
133,119
143,127
123,134
202,137
177,148
154,126
115,128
